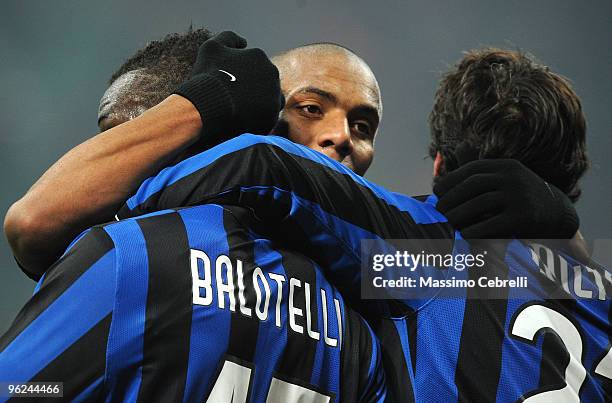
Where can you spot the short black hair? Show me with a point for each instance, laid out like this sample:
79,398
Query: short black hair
506,105
169,59
177,51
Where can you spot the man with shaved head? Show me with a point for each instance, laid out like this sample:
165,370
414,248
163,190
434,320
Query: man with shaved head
332,98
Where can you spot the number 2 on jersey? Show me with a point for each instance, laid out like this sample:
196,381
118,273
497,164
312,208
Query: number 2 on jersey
536,317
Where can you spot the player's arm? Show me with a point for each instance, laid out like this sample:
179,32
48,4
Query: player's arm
89,183
92,180
375,388
302,197
61,333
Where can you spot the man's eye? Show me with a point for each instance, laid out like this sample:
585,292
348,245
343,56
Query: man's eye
310,109
363,128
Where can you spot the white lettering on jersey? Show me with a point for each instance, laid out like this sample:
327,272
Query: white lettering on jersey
258,277
578,280
293,311
244,309
265,284
198,282
312,333
279,296
228,288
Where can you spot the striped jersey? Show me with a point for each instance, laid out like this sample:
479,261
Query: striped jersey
191,305
434,349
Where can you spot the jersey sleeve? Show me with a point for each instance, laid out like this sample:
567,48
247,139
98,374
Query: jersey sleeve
61,334
376,387
301,196
363,378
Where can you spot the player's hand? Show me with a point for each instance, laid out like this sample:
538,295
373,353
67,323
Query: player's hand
501,198
235,89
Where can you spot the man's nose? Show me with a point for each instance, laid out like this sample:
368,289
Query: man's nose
337,137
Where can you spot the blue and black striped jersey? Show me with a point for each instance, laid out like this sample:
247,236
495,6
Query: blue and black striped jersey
191,305
317,205
452,349
550,342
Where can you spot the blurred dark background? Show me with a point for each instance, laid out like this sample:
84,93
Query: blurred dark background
56,58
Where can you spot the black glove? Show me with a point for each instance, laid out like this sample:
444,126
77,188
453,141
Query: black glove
503,199
236,90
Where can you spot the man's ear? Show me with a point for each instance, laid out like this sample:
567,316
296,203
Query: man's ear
438,164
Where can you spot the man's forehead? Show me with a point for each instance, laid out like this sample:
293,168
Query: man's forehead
338,74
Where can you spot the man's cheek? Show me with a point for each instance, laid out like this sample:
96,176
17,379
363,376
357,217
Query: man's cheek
362,157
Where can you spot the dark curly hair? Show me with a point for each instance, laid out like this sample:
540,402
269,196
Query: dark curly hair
506,105
169,60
